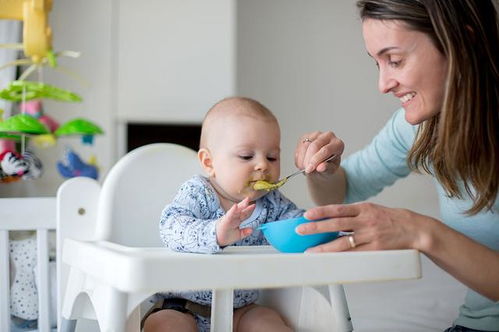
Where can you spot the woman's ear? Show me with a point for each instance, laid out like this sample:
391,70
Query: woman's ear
206,161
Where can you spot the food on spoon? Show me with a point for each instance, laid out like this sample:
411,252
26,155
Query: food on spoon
268,186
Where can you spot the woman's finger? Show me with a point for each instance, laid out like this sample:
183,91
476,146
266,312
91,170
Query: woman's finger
315,146
339,244
350,242
302,147
345,224
333,211
324,145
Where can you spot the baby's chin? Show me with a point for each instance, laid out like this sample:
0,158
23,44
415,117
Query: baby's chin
252,194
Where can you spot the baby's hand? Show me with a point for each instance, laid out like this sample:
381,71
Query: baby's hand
228,230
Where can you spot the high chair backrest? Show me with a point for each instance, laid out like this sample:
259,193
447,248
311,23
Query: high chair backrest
137,189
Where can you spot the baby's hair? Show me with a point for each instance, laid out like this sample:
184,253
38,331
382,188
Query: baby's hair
242,105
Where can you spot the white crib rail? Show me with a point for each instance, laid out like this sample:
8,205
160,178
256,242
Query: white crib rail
38,214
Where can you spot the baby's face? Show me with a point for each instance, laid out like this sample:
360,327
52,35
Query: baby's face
245,150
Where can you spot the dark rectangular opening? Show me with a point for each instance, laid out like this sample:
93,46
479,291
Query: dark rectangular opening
139,134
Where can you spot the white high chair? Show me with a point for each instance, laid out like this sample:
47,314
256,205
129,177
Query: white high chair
113,259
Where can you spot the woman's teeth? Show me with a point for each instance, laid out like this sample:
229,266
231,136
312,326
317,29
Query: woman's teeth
407,97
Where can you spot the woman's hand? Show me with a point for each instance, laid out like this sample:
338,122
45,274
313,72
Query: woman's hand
313,148
326,180
228,231
373,227
376,227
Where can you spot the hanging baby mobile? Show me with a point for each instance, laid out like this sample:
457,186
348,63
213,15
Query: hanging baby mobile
32,124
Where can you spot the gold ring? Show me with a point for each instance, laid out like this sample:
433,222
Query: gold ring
351,240
306,139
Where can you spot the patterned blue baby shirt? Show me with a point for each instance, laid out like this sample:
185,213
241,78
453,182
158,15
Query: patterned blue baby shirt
188,225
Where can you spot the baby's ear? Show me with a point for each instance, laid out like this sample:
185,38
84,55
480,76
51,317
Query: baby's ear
206,161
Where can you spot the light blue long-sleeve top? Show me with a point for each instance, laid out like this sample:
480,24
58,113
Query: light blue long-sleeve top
383,162
188,224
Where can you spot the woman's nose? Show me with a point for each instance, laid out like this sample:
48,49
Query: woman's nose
386,82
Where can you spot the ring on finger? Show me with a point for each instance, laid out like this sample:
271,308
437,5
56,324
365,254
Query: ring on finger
306,139
351,241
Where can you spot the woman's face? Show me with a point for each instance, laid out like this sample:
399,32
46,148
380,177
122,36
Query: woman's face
410,67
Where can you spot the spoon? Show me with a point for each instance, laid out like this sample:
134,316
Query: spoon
265,185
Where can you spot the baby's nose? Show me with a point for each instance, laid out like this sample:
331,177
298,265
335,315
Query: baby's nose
262,164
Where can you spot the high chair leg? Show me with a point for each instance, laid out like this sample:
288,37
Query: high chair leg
112,314
338,301
67,325
335,295
133,321
222,310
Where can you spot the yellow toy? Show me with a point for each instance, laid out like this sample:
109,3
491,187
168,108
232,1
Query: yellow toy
37,35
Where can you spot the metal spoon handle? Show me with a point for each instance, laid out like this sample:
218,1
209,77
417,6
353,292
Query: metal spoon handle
330,158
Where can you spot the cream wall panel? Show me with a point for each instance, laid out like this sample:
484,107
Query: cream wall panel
175,58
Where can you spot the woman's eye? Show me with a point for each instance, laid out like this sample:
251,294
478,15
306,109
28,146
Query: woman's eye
394,63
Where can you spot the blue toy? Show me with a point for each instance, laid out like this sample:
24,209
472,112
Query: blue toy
73,166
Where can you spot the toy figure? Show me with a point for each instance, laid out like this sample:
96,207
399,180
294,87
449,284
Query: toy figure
73,166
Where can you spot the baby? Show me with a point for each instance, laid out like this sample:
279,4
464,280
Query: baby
240,144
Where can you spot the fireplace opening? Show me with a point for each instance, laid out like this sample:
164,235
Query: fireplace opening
139,134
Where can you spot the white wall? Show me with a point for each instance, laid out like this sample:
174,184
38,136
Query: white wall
307,62
174,58
171,60
149,61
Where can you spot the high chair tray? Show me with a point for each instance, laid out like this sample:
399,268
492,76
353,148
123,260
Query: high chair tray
130,269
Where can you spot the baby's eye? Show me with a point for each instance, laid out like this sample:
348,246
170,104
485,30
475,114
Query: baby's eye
246,157
271,159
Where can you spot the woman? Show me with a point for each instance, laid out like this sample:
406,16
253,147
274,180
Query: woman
440,58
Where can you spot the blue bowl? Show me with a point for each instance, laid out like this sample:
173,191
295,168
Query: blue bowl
282,236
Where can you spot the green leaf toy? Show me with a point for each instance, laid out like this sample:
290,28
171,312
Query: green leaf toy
10,136
78,126
22,124
26,90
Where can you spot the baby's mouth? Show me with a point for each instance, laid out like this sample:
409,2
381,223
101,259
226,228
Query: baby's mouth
252,183
267,185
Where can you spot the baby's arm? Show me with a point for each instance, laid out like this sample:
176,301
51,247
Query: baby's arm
181,230
193,222
228,231
188,223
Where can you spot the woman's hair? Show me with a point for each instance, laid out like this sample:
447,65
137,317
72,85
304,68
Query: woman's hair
461,142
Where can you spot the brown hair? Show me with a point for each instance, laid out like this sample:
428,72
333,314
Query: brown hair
461,142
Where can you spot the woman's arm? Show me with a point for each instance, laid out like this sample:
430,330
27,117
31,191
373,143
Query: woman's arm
470,262
327,188
378,228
